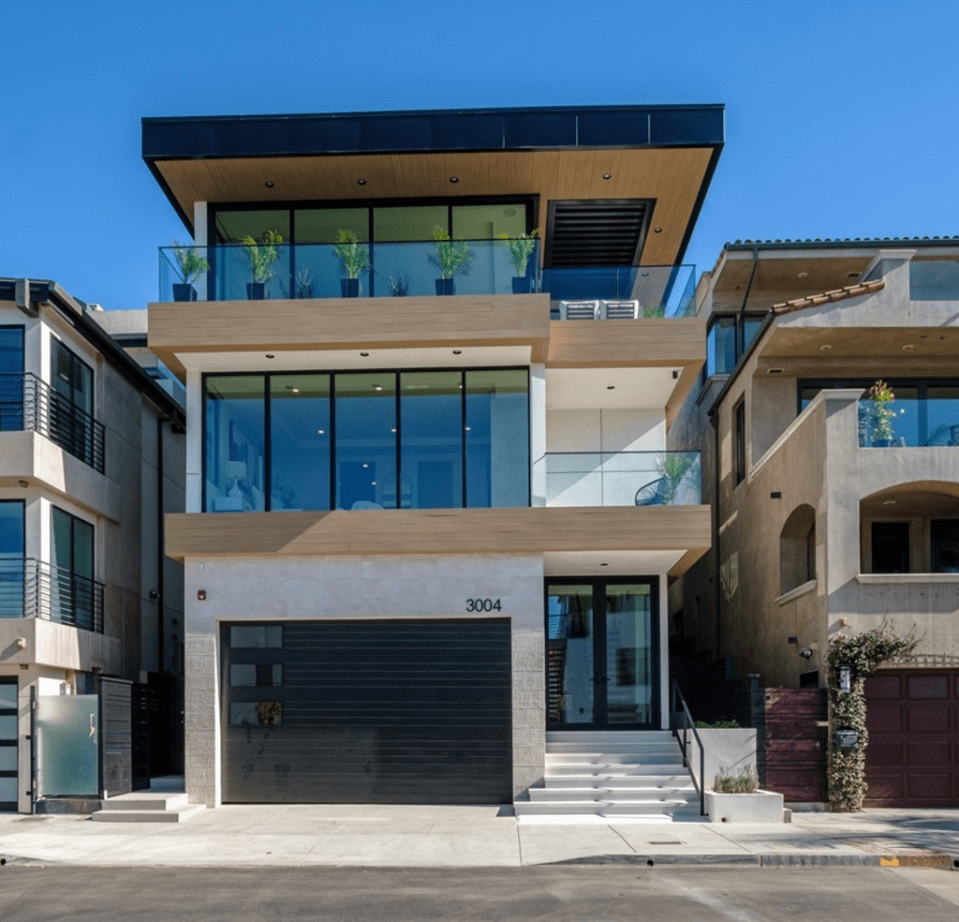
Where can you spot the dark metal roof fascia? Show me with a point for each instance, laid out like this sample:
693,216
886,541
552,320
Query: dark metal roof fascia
49,292
849,244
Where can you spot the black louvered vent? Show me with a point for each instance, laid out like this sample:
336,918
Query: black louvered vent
598,233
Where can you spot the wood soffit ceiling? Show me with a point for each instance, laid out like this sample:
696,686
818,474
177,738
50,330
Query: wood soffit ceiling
860,342
786,275
671,177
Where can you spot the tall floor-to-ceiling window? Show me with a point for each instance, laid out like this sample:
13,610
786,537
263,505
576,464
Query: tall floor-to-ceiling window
11,378
12,542
352,440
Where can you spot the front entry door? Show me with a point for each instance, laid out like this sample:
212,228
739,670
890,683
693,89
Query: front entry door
601,654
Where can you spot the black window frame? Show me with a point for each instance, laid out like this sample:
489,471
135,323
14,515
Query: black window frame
739,441
740,344
397,372
938,532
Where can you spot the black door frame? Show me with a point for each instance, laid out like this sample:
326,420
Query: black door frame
13,806
600,679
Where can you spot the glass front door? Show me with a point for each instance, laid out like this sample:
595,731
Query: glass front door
601,663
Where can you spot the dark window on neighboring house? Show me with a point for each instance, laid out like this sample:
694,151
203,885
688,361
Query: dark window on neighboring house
73,593
727,340
12,543
71,405
945,545
739,440
11,378
890,547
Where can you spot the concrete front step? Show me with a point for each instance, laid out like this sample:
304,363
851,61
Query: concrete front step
607,736
631,757
146,800
591,747
176,815
618,780
617,768
561,795
658,808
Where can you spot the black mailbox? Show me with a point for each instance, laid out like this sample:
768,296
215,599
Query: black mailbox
845,738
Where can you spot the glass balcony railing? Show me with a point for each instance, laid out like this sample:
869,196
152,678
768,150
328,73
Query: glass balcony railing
27,403
625,478
911,421
620,292
420,269
34,589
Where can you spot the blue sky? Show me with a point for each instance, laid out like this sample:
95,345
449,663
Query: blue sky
841,117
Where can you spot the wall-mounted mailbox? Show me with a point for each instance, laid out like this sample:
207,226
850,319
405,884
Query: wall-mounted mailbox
844,738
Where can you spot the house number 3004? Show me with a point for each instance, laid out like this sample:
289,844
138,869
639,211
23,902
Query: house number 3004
483,605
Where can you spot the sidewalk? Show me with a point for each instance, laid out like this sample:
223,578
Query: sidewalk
420,836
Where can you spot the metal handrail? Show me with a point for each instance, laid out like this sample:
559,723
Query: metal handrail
28,403
32,588
687,725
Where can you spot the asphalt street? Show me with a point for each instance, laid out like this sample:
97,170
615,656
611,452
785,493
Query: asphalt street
566,893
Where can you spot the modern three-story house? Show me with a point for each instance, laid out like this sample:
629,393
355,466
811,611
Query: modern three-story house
431,359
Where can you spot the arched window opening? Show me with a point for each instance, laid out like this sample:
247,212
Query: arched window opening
797,549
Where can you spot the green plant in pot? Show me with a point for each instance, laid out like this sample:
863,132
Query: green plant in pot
877,415
680,474
519,250
190,265
355,258
452,257
262,254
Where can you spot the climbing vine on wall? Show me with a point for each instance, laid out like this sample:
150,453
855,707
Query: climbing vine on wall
863,653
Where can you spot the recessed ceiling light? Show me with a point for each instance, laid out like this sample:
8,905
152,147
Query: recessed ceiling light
269,184
852,275
365,465
296,390
889,502
604,564
457,352
907,347
393,429
361,182
467,428
270,355
825,348
454,179
802,275
657,230
321,432
774,371
377,387
610,387
364,354
607,176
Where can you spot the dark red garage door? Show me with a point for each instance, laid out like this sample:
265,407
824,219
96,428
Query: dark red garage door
913,754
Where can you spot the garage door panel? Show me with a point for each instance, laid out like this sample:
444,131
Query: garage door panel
389,711
913,755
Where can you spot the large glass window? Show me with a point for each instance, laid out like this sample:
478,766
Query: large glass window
11,558
71,557
497,438
366,475
71,407
728,339
431,412
355,440
300,441
235,443
11,378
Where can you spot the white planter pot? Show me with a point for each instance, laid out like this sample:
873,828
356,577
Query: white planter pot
759,807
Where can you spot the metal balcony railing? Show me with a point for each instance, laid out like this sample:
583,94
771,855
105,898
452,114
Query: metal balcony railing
623,478
27,403
33,589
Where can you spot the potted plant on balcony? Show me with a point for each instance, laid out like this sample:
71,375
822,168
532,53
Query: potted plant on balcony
190,264
451,258
355,257
877,415
680,472
261,254
519,250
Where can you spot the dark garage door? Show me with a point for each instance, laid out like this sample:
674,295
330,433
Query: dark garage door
913,754
397,711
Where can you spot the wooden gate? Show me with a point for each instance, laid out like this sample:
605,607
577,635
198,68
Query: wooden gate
797,743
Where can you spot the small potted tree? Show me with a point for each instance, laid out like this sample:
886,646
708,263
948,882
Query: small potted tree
879,415
355,257
191,265
451,258
261,254
519,250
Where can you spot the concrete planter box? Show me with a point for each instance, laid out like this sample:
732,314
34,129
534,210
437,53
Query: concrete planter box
759,807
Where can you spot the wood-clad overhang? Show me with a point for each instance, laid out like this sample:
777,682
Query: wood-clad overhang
188,332
684,529
654,353
662,154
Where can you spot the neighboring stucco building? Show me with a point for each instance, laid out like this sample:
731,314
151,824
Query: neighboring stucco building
421,531
829,514
91,454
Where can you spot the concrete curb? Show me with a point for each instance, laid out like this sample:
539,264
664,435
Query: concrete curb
946,862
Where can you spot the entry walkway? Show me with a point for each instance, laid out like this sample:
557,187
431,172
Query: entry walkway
393,836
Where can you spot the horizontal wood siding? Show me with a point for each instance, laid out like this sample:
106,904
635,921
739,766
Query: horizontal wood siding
797,743
441,531
651,342
377,712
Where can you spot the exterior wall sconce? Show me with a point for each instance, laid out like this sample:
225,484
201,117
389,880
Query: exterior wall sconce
21,643
805,652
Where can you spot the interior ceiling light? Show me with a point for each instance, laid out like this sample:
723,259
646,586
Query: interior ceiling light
454,179
321,432
361,182
269,184
377,387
